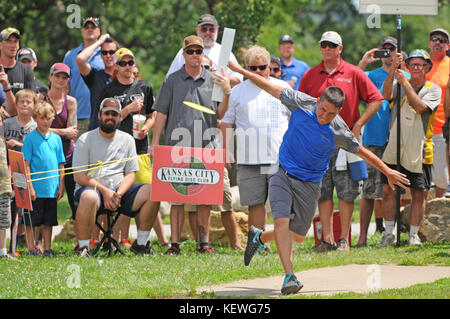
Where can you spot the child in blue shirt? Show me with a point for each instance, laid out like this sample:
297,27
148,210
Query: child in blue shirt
43,152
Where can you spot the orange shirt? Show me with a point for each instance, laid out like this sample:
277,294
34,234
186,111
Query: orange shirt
439,76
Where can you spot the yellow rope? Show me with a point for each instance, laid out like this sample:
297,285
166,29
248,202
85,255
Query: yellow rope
98,165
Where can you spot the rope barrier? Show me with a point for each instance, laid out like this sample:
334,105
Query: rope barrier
98,166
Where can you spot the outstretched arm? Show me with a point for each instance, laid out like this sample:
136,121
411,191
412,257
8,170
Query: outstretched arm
258,80
394,177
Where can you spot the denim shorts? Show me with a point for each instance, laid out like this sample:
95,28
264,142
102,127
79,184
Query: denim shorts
126,203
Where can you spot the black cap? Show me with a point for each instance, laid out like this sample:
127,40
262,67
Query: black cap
286,38
207,19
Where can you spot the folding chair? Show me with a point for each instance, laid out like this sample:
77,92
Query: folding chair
111,219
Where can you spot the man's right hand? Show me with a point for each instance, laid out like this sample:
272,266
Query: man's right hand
109,199
103,38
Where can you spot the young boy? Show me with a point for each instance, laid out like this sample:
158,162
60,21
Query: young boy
43,152
5,197
14,130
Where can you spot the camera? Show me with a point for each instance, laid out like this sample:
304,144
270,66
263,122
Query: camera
381,54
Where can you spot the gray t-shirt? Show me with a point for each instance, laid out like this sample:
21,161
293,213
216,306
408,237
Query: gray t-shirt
179,87
12,130
91,147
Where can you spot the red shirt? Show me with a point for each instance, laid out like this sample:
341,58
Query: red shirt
350,79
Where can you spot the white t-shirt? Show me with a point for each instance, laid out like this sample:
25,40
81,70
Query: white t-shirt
261,121
212,53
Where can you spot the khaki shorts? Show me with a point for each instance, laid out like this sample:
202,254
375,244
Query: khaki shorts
5,215
227,198
439,170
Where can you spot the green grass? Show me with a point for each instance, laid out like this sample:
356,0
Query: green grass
163,276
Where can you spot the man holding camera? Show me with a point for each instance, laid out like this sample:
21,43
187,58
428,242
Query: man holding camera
419,100
376,132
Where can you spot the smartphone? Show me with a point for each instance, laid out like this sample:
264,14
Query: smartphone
382,53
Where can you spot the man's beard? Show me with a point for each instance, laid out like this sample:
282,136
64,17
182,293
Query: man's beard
210,43
109,128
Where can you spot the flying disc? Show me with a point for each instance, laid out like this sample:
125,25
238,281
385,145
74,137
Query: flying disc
199,107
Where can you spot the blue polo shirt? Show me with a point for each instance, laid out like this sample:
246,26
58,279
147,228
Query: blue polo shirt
308,145
376,130
294,72
44,154
79,89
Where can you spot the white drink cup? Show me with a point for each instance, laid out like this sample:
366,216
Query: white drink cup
138,123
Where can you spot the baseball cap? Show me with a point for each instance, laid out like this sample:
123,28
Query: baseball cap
286,38
391,41
95,21
6,33
331,36
420,53
60,68
26,53
440,30
110,104
121,53
192,40
207,19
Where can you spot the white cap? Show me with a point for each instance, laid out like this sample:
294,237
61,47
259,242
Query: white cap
331,36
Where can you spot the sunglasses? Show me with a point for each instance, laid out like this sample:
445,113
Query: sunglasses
125,63
110,52
275,69
206,66
441,40
210,29
191,52
256,67
323,45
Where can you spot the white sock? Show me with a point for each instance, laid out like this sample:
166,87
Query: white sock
3,251
142,236
83,243
389,226
413,230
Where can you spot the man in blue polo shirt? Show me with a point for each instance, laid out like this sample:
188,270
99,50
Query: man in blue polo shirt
293,68
314,131
78,89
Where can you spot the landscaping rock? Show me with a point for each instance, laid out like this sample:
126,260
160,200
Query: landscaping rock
436,221
217,233
67,233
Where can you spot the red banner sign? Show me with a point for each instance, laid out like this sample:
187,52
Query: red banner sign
19,179
187,175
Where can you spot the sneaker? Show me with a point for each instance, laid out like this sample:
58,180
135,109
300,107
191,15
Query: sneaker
386,240
291,285
253,244
126,243
447,192
83,252
93,243
33,252
206,249
106,246
173,251
146,249
342,245
49,253
7,257
324,246
414,240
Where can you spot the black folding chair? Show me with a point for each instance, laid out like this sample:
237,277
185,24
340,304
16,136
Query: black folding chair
111,219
